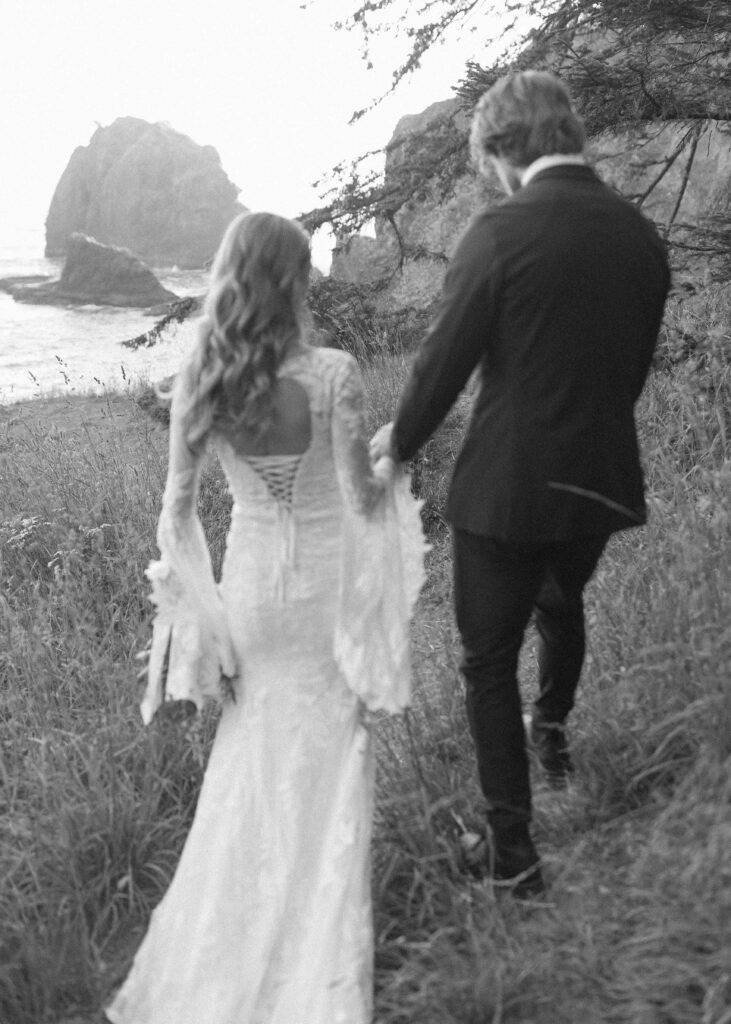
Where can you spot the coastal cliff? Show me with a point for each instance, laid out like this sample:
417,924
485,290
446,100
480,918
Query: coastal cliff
679,174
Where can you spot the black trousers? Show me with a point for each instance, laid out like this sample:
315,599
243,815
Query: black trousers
498,585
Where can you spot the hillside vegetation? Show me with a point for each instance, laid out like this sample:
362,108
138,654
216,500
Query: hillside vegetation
94,808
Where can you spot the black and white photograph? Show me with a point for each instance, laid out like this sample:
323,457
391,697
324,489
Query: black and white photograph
365,512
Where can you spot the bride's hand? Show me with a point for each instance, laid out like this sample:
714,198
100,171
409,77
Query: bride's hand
384,469
381,443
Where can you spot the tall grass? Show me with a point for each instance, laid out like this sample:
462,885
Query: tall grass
94,809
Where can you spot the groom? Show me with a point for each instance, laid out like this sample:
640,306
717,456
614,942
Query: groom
555,296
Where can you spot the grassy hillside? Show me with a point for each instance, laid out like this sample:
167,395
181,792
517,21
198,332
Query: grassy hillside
94,809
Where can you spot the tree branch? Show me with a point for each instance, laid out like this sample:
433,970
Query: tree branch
684,183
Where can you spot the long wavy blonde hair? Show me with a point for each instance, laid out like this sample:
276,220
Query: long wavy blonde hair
254,311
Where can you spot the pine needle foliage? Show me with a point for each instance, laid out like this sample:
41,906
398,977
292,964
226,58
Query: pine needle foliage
626,62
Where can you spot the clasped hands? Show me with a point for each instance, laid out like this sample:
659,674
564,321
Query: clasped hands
381,444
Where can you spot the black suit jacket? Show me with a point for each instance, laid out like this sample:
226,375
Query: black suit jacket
557,294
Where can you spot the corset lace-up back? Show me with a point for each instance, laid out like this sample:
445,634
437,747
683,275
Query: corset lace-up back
278,472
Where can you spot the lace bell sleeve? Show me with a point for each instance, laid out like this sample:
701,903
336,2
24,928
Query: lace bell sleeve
382,559
191,648
362,486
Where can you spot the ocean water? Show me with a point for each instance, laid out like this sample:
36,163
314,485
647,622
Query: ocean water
56,350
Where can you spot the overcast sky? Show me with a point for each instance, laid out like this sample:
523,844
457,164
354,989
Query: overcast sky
271,85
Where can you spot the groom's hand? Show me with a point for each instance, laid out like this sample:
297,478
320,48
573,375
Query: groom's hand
381,443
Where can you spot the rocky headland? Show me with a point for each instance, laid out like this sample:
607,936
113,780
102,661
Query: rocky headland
104,275
681,183
145,187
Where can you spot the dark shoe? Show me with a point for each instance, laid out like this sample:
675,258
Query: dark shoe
548,741
514,863
526,886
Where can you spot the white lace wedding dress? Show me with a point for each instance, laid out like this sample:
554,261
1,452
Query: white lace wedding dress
268,917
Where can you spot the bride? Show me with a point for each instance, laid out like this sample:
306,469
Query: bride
268,917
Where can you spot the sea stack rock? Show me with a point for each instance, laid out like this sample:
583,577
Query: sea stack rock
108,275
105,275
147,188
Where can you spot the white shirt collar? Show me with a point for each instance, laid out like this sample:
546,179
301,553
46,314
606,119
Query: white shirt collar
544,162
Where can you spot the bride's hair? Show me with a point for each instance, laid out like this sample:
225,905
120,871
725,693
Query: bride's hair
254,310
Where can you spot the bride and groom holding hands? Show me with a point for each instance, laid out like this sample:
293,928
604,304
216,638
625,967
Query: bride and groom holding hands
555,298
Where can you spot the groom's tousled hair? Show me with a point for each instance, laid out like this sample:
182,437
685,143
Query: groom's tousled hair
523,117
